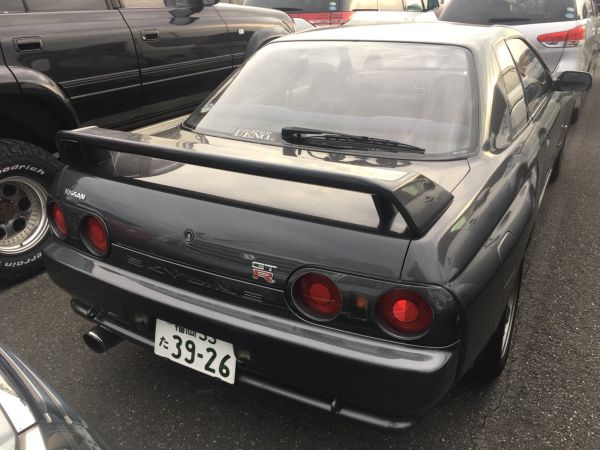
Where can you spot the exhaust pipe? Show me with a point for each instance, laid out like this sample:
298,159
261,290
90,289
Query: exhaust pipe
100,339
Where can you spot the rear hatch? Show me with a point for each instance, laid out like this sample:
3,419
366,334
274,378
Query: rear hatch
544,23
274,209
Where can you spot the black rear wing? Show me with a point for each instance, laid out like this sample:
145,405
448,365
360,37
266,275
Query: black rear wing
419,200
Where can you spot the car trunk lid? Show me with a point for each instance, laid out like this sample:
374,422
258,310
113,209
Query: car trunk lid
249,222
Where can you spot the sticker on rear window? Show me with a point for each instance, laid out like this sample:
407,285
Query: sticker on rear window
249,133
570,15
332,6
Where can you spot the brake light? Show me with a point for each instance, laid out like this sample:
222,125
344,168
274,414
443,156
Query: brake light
568,38
317,296
57,220
94,235
324,19
405,311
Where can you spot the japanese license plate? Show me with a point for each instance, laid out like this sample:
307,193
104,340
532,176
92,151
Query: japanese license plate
195,350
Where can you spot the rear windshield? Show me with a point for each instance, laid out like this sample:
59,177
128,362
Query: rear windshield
509,11
418,94
296,5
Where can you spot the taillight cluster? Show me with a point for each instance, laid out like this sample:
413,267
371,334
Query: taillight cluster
92,230
574,37
398,311
319,19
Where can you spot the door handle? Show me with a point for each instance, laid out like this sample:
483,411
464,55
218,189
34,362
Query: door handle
28,44
150,35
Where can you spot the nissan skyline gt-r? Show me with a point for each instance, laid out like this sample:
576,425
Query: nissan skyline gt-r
342,222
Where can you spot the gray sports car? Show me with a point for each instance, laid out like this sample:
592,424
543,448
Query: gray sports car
342,222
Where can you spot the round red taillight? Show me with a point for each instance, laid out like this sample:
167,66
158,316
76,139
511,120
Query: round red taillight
58,220
317,296
94,235
405,311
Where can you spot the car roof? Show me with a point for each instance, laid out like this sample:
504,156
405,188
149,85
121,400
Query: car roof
469,36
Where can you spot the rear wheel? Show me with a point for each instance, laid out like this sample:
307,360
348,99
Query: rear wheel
492,360
26,172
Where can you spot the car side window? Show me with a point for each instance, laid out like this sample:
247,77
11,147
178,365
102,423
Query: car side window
513,89
8,6
537,82
65,5
390,5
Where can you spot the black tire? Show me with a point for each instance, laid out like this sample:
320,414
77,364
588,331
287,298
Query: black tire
492,360
27,170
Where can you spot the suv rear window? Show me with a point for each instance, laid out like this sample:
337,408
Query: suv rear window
417,94
486,12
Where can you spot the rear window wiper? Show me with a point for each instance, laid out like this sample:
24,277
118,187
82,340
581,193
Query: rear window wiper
321,138
508,19
287,9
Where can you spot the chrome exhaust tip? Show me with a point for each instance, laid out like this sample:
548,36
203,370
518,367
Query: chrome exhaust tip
100,339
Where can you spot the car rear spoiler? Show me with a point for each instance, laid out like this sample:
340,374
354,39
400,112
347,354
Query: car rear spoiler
419,200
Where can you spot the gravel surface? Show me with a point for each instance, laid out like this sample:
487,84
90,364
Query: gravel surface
549,396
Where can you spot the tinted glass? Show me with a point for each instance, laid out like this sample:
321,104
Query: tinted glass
295,5
418,94
509,12
512,86
537,83
11,6
65,5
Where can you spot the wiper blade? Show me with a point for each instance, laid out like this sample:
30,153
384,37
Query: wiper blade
288,9
322,138
509,19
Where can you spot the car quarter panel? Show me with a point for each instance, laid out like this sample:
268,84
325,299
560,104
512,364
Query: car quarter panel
475,249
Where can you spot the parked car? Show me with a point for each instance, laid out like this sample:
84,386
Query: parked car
565,32
66,64
325,12
34,417
349,234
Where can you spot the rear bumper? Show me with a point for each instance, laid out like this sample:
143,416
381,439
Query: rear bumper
382,383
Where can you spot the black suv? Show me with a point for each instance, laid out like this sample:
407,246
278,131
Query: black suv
115,63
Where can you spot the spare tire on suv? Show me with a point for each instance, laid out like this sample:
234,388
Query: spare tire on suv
26,172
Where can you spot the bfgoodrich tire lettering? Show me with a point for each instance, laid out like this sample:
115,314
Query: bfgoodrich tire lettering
23,166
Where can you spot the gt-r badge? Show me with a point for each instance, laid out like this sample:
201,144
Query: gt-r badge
264,271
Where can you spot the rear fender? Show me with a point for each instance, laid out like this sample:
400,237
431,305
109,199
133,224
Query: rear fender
263,37
37,107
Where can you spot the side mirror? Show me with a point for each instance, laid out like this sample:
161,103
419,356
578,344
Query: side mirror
573,81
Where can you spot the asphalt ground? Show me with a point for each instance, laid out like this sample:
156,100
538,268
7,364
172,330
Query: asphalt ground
548,396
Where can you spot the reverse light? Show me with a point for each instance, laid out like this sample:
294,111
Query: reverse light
58,221
404,311
317,296
94,235
574,37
